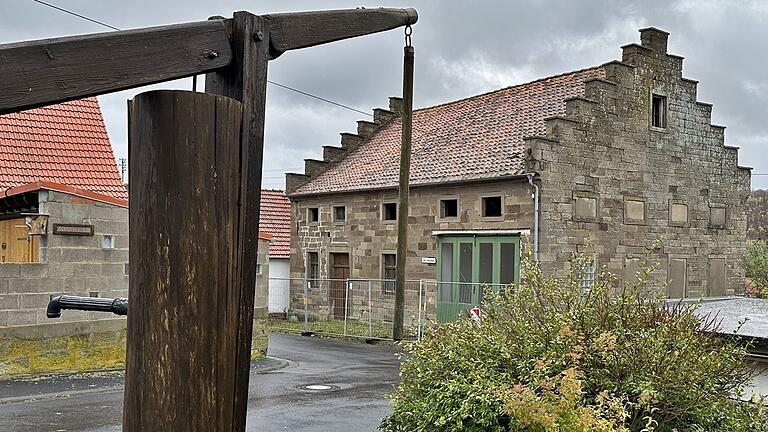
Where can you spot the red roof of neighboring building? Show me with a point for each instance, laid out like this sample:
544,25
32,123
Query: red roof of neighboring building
275,219
474,138
80,193
65,143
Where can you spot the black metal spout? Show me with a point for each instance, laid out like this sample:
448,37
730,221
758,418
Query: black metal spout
118,306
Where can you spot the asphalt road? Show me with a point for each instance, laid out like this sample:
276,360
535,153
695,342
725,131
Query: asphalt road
360,375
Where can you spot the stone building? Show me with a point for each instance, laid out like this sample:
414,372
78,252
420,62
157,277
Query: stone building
617,156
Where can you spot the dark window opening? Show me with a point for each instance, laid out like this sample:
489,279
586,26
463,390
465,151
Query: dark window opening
313,214
388,273
389,211
340,213
313,266
449,208
659,111
492,206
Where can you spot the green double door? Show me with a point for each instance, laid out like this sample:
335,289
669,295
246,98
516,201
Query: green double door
467,265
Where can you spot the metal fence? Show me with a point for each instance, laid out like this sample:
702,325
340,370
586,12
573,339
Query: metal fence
366,307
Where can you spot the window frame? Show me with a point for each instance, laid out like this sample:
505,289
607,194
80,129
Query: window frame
440,208
308,267
664,120
388,284
483,201
310,211
383,211
336,220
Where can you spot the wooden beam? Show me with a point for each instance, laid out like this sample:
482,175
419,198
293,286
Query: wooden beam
305,29
50,71
245,80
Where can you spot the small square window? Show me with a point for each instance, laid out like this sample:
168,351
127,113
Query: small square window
449,208
585,208
659,111
339,213
492,206
678,214
313,214
389,211
108,242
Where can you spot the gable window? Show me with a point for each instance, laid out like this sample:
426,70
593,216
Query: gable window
449,208
491,206
339,214
388,273
313,215
659,111
389,211
313,266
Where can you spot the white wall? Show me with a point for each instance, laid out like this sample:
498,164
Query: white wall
279,286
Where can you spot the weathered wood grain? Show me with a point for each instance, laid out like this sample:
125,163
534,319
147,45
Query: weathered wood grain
183,327
245,80
296,30
49,71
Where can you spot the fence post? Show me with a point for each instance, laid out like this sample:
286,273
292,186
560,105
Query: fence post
370,310
306,305
418,327
346,305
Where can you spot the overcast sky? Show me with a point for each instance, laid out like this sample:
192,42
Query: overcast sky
462,48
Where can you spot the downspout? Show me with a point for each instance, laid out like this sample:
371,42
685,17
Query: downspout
535,216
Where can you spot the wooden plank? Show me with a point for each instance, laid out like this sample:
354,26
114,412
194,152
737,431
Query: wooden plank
185,185
291,31
49,71
245,80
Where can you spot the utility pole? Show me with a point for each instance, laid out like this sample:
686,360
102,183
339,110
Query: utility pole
405,170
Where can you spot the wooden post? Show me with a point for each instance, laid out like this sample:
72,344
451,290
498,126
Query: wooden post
402,207
245,80
184,324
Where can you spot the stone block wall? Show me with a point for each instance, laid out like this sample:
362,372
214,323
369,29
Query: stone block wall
74,265
612,184
365,236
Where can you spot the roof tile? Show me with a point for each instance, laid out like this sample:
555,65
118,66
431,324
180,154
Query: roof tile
474,138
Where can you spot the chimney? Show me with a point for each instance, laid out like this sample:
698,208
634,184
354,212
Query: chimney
654,39
396,105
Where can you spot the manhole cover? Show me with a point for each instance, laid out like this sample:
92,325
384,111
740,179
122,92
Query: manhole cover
318,387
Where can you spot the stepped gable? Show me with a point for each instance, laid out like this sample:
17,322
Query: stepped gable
480,137
65,143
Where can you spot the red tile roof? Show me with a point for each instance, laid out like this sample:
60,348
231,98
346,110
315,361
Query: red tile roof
65,144
275,219
474,138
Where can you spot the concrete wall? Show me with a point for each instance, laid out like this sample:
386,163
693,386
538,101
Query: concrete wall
75,265
642,180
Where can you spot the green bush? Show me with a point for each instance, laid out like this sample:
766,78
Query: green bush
756,259
549,356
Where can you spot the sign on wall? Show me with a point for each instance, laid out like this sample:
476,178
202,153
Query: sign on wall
429,260
72,229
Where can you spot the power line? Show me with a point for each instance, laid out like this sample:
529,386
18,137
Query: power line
269,81
320,98
75,14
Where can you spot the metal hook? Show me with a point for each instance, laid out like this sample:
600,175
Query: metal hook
408,33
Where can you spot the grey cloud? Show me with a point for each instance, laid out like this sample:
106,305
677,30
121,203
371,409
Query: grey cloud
462,48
